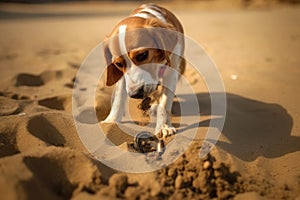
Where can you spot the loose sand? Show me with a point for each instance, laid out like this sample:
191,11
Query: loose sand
257,156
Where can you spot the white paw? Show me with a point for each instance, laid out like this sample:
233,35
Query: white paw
166,131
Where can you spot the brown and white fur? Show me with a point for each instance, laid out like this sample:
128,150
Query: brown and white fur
140,57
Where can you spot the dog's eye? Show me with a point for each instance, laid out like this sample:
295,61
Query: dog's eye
142,56
118,64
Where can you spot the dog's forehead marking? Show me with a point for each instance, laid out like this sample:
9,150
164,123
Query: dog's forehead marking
155,11
122,43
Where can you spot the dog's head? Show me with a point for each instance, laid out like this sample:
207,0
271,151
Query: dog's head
137,50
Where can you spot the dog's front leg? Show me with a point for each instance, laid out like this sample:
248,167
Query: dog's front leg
163,122
118,108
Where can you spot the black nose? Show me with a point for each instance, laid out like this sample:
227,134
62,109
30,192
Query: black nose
138,93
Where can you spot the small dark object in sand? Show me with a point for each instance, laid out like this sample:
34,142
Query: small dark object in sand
145,142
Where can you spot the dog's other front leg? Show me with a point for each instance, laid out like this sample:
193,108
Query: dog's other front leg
118,108
163,122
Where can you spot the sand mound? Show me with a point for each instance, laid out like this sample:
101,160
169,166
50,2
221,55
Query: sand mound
50,173
48,128
8,106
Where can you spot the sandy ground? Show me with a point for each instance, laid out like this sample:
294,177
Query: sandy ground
256,49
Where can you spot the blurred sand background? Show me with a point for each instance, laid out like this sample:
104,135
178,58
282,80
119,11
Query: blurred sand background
255,45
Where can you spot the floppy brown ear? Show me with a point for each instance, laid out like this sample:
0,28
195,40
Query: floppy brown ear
112,73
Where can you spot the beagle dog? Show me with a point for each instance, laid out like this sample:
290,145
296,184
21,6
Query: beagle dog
143,53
